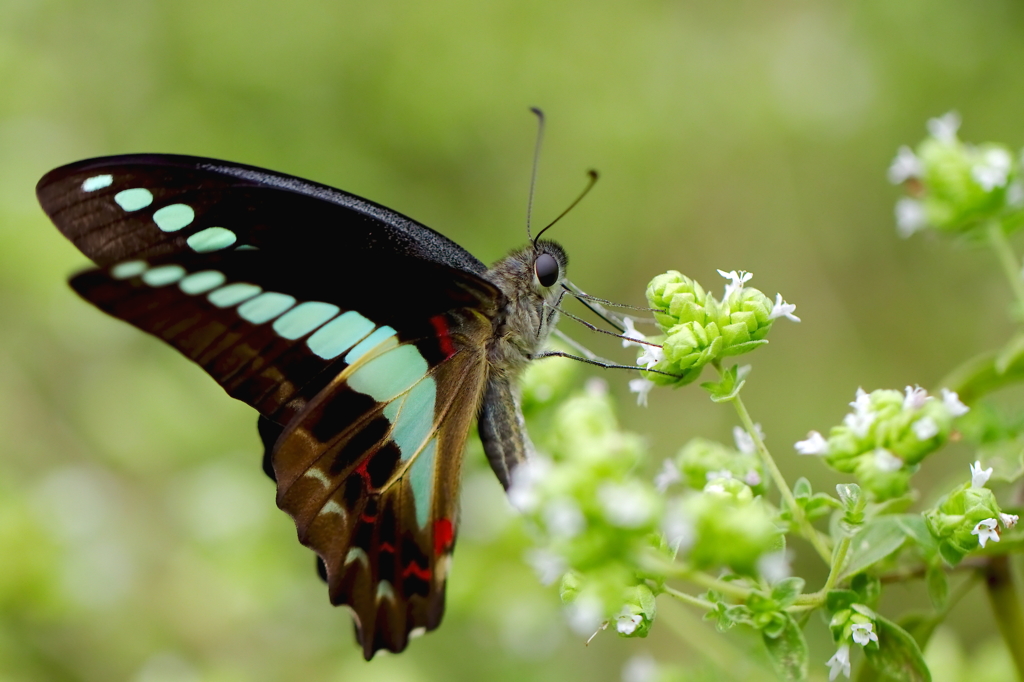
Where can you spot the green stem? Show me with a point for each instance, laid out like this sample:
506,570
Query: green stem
806,529
1011,268
688,598
838,563
1006,606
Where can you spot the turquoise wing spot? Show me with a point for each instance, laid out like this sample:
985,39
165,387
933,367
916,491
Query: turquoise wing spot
128,269
370,342
163,275
421,480
247,247
97,182
134,199
233,294
211,239
304,318
412,417
174,217
338,335
389,374
265,307
201,282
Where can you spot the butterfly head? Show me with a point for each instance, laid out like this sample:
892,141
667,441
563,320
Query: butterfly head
549,263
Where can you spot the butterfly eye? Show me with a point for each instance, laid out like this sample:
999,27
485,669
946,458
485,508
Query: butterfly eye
546,268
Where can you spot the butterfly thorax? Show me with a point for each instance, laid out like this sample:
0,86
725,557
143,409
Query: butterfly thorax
530,309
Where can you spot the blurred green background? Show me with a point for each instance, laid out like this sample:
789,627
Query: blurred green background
138,537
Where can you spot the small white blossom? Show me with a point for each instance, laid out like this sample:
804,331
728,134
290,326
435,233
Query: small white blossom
986,530
814,445
952,402
979,476
945,127
775,566
712,475
752,478
864,633
585,615
523,493
925,428
744,441
915,399
563,518
678,527
627,623
641,387
783,309
596,387
668,475
886,461
715,488
1015,194
651,356
630,333
862,403
641,668
840,663
1009,520
736,281
626,505
910,217
906,165
994,169
548,566
859,422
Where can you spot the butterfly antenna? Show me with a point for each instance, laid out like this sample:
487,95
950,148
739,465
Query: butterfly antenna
586,190
536,162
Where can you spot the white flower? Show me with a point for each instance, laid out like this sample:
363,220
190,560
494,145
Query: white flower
886,461
630,333
944,127
783,309
522,493
979,476
1015,194
864,633
678,528
736,281
668,475
548,566
862,403
814,445
840,663
775,566
993,170
744,441
627,623
906,165
859,422
910,217
585,614
651,356
715,488
915,398
626,505
712,475
925,428
641,387
641,668
1009,520
952,402
752,478
986,530
563,518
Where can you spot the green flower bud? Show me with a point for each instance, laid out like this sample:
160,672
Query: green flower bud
637,614
570,587
729,487
700,457
730,532
882,474
745,319
966,518
680,297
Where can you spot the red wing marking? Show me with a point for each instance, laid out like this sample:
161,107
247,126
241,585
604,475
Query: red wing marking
444,339
413,569
443,536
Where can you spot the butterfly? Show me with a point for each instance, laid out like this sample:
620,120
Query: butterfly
367,343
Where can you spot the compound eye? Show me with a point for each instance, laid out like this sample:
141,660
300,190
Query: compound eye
546,268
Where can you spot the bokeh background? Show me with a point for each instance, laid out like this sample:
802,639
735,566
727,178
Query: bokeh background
138,537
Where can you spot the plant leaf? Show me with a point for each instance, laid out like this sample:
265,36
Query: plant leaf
788,651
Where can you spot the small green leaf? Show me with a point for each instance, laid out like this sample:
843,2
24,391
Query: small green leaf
786,591
917,530
878,539
898,657
788,651
938,585
837,600
868,587
802,488
730,384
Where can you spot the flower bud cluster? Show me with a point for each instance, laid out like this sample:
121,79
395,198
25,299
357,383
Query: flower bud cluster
968,518
698,329
701,460
885,437
954,186
594,520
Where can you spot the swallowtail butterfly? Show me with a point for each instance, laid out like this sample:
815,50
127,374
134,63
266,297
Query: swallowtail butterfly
366,341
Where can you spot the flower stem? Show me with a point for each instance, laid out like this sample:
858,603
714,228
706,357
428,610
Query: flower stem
1006,606
688,598
1011,268
804,524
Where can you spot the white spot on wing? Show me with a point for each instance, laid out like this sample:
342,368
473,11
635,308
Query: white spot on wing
318,475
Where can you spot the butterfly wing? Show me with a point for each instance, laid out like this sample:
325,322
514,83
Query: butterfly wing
357,334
